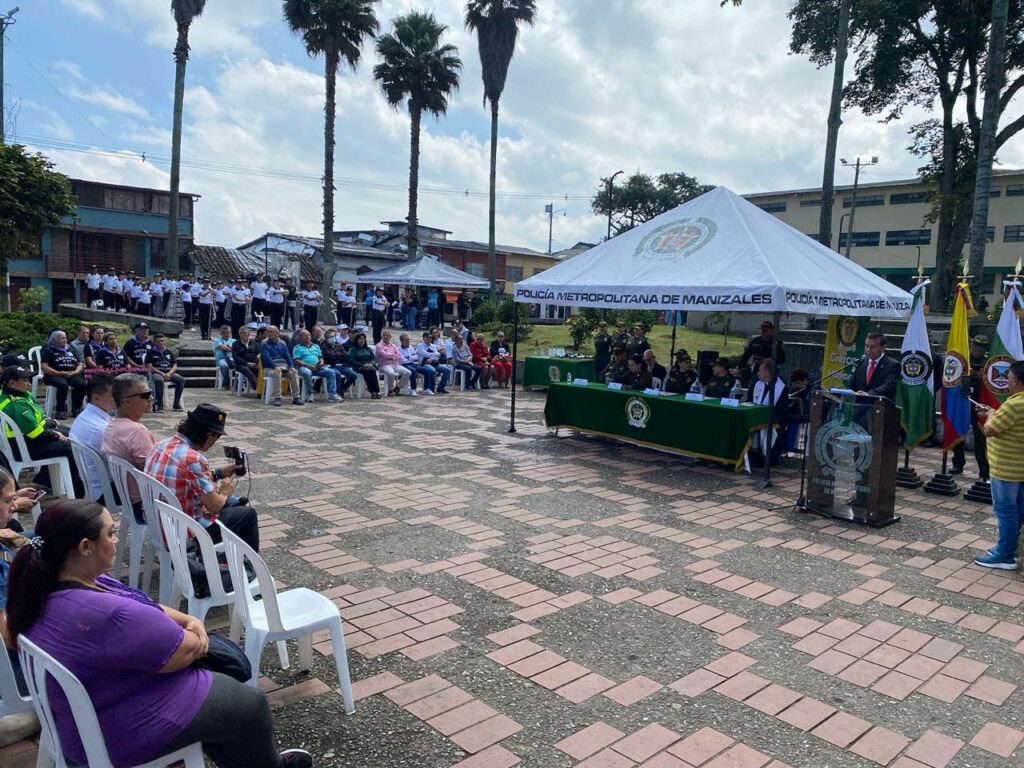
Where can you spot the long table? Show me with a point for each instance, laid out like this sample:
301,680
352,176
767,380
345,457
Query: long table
702,429
542,371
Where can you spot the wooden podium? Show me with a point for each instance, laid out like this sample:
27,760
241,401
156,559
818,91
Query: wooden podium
852,456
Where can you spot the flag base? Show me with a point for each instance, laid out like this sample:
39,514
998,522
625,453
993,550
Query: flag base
943,485
907,477
980,492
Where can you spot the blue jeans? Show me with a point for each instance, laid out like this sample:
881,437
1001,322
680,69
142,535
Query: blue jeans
427,372
409,318
327,374
445,372
471,372
224,371
1008,506
346,376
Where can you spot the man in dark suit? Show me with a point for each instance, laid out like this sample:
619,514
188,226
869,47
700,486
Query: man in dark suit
656,369
877,374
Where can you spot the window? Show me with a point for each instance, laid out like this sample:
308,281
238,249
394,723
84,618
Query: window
124,200
538,270
908,237
816,203
864,201
513,274
1013,233
773,207
990,234
905,198
995,192
477,270
157,253
89,195
1015,190
861,239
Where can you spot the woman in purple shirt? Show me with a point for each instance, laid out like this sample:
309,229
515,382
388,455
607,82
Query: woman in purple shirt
134,657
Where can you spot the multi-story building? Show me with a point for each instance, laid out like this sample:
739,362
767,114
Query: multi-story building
890,235
113,226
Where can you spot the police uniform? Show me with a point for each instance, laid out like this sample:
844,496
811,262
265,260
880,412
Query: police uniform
615,370
758,348
636,346
719,386
637,380
620,340
602,354
679,381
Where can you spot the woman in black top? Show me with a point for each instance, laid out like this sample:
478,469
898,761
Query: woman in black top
246,355
62,371
110,355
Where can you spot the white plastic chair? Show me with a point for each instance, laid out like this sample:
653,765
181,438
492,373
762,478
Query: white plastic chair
131,531
272,387
11,700
35,359
296,613
459,377
38,665
151,491
60,480
92,467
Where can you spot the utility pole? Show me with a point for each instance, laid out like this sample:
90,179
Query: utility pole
549,209
7,20
611,179
853,203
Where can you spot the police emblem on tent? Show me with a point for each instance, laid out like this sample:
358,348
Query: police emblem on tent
679,239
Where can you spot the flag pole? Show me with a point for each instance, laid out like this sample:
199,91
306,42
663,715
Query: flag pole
906,476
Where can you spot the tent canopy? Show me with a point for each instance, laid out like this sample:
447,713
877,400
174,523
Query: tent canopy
425,272
717,252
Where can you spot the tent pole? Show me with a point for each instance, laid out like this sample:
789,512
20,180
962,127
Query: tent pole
672,353
766,482
515,350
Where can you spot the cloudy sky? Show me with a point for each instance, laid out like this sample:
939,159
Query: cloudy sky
596,86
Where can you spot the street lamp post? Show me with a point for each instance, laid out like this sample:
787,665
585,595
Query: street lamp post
611,180
853,203
549,209
6,20
842,218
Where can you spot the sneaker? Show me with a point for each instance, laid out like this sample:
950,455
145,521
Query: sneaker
333,399
412,393
996,561
956,471
442,392
277,401
296,401
296,758
428,391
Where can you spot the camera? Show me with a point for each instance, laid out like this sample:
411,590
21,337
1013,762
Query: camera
239,457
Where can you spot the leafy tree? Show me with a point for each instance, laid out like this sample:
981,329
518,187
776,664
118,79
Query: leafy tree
496,23
335,29
184,12
418,70
640,198
32,197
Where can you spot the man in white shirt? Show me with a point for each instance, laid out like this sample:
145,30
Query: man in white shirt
378,313
205,308
275,302
109,296
347,302
129,292
185,292
428,356
93,286
90,424
169,286
310,305
258,287
411,360
240,298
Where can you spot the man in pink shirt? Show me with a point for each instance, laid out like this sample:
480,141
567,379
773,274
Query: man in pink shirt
126,436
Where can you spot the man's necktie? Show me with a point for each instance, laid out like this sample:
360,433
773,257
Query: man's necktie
871,371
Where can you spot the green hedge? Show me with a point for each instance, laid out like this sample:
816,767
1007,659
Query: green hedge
20,331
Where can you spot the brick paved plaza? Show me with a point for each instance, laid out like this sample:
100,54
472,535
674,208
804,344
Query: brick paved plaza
540,601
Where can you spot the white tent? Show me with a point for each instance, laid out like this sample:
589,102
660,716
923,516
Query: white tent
424,271
716,252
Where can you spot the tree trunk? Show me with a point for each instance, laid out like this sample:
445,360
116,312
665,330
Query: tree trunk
412,237
181,60
491,259
835,119
994,75
947,250
327,287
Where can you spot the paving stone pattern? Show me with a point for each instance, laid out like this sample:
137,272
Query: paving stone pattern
527,599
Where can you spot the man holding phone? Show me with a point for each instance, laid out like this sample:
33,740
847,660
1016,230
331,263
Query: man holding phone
1004,428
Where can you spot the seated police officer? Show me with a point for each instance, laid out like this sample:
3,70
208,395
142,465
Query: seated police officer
163,367
637,376
617,367
720,384
682,376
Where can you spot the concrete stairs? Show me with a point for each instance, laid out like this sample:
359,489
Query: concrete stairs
197,366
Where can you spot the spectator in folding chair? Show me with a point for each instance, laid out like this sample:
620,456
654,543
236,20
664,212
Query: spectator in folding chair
126,436
396,376
410,361
180,463
363,362
90,425
163,364
138,661
309,362
278,362
335,353
429,356
501,359
222,354
137,348
110,355
42,437
245,351
63,371
462,358
80,344
482,357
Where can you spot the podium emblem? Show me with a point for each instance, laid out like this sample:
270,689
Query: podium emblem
638,412
843,449
554,374
995,374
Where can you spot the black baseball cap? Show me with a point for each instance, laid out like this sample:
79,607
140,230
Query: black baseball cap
14,372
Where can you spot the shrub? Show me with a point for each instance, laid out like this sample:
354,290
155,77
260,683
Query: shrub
581,327
20,331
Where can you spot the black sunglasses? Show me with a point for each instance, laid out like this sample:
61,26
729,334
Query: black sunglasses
148,394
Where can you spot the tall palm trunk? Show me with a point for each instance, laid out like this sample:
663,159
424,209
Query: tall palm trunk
946,252
491,259
994,75
181,60
835,119
413,237
327,288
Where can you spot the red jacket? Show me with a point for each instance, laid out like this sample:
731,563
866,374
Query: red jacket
481,354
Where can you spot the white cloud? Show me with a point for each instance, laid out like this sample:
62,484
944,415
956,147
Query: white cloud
106,99
88,8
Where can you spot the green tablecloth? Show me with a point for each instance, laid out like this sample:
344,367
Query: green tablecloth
705,430
538,370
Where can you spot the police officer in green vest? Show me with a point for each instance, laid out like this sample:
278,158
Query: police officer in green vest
41,435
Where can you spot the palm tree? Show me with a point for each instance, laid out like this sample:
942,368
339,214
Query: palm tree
416,68
496,23
184,12
337,29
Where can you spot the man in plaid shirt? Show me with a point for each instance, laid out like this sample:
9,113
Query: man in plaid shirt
179,462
